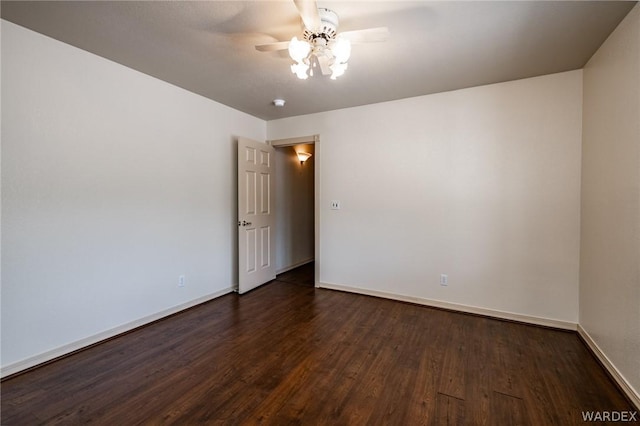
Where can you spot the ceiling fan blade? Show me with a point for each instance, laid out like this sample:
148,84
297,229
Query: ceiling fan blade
308,10
272,47
367,35
323,61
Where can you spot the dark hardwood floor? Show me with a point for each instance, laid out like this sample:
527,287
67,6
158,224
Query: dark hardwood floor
287,353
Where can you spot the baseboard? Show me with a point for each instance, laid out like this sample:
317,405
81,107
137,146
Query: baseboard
294,266
626,387
565,325
44,357
630,392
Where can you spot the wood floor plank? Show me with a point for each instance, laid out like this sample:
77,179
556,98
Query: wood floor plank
450,411
508,410
509,359
479,371
287,353
453,363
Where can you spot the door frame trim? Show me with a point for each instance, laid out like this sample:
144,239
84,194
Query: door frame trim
315,140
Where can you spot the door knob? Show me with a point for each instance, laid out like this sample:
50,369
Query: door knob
244,223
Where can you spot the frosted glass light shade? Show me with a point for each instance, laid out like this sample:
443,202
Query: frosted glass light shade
337,69
303,156
300,70
298,49
341,49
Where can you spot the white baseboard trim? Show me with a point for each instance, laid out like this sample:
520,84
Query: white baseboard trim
565,325
626,387
294,266
24,364
30,362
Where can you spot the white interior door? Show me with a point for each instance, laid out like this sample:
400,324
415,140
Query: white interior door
256,216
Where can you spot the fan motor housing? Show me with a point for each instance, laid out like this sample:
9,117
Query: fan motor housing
328,26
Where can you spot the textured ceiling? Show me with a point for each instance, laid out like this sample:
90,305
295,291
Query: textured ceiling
207,47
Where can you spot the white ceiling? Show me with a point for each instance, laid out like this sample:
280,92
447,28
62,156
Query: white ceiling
207,47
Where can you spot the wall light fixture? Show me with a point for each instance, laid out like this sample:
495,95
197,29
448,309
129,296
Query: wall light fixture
303,156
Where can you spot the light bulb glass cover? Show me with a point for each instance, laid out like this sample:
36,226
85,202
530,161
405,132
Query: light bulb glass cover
298,49
303,156
341,49
337,70
300,70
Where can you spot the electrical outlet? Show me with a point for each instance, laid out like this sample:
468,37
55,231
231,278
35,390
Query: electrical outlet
335,205
181,281
444,279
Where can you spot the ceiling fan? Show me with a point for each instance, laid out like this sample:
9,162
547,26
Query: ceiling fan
321,45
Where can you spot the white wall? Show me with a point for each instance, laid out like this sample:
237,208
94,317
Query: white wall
294,207
482,184
113,184
610,240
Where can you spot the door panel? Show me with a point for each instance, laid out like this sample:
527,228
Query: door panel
256,217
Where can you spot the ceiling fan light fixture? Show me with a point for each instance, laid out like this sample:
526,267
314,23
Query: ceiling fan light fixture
321,46
335,54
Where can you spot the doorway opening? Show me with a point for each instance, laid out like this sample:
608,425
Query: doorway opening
296,240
